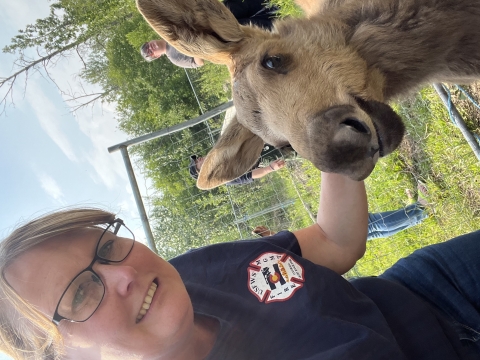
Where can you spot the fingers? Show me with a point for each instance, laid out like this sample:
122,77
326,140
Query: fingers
277,164
259,229
262,231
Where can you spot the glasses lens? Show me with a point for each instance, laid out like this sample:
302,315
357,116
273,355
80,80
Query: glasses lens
116,243
82,297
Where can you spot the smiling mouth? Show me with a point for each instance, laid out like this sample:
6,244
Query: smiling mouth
146,302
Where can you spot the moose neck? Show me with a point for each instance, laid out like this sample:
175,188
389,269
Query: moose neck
412,43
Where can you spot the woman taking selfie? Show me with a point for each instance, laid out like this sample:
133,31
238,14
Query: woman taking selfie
75,285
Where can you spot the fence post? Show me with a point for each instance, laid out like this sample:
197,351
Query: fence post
458,119
138,199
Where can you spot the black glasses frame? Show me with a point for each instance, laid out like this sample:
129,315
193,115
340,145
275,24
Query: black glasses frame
117,223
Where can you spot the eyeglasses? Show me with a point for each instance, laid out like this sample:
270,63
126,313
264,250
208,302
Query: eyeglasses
83,295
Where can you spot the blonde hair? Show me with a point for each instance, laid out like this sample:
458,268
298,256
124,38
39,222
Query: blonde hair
25,332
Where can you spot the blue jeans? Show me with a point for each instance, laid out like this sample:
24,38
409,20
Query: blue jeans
447,275
388,223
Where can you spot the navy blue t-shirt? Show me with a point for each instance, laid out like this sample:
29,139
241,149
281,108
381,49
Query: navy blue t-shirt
273,304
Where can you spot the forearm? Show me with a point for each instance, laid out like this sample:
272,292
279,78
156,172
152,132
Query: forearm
338,239
343,211
261,172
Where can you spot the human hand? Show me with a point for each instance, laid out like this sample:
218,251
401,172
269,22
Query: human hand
277,164
198,61
262,231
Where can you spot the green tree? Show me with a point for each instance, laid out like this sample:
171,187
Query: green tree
73,28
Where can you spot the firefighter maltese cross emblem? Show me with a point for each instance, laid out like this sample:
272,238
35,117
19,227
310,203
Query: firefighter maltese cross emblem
274,277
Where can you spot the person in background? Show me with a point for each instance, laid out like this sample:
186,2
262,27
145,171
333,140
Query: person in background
154,49
247,12
384,224
196,163
271,159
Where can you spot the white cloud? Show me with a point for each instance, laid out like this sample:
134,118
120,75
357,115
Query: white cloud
96,122
51,187
125,206
19,13
50,117
100,126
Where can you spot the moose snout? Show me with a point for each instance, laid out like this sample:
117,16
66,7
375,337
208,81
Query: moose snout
342,139
343,127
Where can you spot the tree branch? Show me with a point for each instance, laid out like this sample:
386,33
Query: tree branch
31,65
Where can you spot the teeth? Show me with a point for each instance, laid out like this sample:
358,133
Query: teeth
147,302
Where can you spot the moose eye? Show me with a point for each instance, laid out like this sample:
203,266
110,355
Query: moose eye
272,62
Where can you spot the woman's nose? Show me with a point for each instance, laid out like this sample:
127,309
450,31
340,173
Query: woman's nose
119,278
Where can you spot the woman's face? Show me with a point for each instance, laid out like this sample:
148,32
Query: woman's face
42,274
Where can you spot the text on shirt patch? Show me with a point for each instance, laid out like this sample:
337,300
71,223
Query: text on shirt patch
274,277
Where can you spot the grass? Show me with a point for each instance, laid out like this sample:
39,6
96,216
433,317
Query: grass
435,152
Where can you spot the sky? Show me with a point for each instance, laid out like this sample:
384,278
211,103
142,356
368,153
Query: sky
50,158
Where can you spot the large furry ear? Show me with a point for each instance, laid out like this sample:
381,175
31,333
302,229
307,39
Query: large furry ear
236,152
200,28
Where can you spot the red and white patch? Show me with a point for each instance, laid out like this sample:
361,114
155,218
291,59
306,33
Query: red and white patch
274,277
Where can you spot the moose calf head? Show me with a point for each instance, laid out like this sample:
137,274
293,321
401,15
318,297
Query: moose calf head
299,84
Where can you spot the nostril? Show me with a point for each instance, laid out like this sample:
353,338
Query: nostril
373,151
356,125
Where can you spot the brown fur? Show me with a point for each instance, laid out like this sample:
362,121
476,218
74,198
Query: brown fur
332,74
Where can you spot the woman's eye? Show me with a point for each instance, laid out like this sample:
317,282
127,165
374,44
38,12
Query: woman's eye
79,297
106,249
272,62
